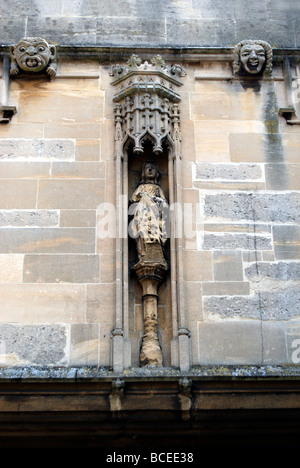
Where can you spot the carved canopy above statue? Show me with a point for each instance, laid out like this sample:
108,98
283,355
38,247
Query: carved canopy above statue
147,100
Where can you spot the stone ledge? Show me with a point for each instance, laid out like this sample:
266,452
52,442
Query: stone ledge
111,53
75,374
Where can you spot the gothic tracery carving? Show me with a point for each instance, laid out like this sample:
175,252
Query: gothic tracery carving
147,101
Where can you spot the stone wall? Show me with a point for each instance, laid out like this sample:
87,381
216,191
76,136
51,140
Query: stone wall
186,23
55,170
242,273
240,161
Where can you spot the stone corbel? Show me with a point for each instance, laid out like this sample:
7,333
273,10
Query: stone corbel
6,111
185,396
117,393
288,112
252,60
32,55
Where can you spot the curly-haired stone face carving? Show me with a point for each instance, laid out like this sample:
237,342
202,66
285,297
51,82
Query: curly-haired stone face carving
253,58
33,54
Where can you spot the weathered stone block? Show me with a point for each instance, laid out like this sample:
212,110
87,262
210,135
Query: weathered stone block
225,288
291,143
47,240
47,303
282,176
229,227
211,171
283,271
36,150
88,150
11,268
142,31
193,300
230,342
195,31
236,241
254,256
78,218
229,185
275,31
42,106
287,242
228,266
72,130
214,106
21,194
78,170
101,309
211,149
25,130
100,303
34,344
262,207
197,266
71,194
84,344
242,151
282,304
75,31
61,269
33,218
24,170
274,343
292,334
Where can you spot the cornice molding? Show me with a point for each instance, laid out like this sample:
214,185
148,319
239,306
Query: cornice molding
111,54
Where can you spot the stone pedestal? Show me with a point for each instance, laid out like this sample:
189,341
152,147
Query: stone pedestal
150,275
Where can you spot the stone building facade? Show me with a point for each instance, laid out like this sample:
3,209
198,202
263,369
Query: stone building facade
125,83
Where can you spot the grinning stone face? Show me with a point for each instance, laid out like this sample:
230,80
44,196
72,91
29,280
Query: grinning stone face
252,58
32,54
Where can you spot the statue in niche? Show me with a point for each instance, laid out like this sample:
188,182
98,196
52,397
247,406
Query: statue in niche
149,228
149,209
33,55
252,57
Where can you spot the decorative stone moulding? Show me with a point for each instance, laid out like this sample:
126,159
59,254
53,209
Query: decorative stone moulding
147,100
33,55
252,58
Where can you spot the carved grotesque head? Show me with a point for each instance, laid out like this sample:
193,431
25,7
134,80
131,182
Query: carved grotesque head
32,54
252,57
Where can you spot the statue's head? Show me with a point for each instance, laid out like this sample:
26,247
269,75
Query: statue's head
32,54
252,58
150,172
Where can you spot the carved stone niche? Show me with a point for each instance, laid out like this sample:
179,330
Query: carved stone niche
149,309
252,59
33,55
